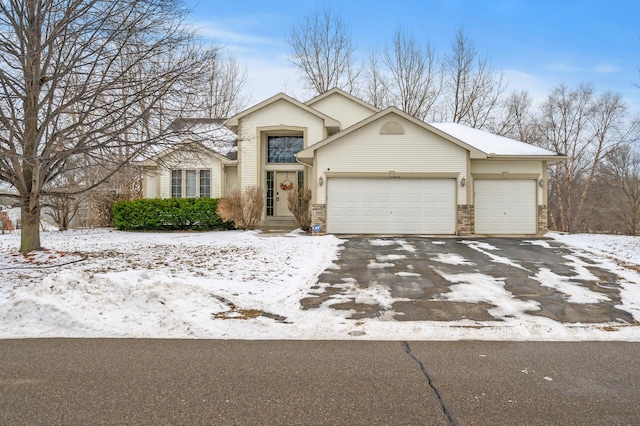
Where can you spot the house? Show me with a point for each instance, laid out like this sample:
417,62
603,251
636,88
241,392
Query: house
202,164
371,171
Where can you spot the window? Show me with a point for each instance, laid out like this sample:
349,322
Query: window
176,184
281,149
190,183
205,183
270,192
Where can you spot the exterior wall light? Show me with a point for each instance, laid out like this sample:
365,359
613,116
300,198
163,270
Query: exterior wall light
541,183
463,182
320,181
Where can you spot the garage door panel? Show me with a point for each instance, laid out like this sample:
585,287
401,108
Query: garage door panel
505,207
391,206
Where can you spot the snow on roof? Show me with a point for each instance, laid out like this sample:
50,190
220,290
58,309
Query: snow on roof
490,143
209,132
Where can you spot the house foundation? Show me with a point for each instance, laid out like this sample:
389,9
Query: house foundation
543,225
318,219
466,220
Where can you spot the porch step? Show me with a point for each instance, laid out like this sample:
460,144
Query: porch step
278,225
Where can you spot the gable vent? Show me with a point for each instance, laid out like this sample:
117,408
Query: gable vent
392,128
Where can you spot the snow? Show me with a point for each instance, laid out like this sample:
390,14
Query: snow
477,287
622,247
451,259
574,292
489,143
486,249
245,285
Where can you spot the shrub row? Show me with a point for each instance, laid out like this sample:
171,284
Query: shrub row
168,214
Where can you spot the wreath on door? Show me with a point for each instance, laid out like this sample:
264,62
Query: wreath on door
286,185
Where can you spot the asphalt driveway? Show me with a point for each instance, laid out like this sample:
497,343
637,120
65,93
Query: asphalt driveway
451,279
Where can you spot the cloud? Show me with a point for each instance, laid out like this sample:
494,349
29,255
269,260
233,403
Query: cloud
263,56
267,77
537,86
604,68
216,31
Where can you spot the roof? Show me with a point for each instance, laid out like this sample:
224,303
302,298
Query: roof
491,144
480,144
210,133
308,153
329,122
344,94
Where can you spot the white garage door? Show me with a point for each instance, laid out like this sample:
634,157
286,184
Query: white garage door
505,207
391,206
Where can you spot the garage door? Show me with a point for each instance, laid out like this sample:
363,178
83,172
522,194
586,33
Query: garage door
391,206
505,207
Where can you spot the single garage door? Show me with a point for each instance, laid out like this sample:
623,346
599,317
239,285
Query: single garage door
505,207
391,206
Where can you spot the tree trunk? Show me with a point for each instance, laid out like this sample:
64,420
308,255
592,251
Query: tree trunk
30,233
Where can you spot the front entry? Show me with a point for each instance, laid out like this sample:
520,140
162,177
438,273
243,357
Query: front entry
285,182
279,185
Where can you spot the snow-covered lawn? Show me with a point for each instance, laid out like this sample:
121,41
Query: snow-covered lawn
243,285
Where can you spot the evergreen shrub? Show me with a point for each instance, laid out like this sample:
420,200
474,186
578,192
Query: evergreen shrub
198,214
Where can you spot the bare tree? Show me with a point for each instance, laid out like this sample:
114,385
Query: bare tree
515,118
375,88
85,80
587,128
323,52
621,181
414,84
221,88
473,87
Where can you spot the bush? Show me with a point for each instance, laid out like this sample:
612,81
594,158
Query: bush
299,203
168,214
243,208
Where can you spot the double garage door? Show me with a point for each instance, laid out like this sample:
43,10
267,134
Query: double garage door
427,206
391,206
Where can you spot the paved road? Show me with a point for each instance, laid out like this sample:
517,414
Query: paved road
102,381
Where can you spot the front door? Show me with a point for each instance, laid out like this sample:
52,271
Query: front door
284,183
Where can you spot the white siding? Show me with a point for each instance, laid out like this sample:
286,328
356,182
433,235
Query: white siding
150,183
506,168
346,111
490,166
231,179
415,151
280,113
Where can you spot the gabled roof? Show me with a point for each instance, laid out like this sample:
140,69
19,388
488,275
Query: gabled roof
480,144
191,147
308,153
490,143
329,122
344,94
208,133
494,145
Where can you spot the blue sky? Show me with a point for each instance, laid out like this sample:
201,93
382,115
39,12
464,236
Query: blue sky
537,44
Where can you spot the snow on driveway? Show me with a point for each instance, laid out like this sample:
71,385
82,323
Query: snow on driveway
245,285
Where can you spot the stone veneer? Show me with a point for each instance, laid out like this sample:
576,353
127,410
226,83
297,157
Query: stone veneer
319,217
466,220
542,220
